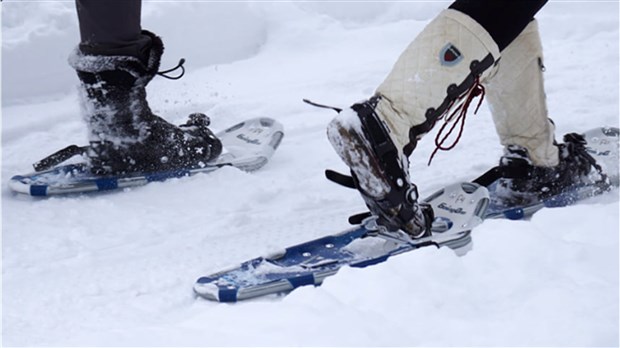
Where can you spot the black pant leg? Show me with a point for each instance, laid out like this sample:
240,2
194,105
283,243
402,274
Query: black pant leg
111,27
503,19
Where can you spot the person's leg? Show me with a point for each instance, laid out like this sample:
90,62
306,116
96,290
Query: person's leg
515,91
115,61
440,69
504,20
516,96
112,27
444,63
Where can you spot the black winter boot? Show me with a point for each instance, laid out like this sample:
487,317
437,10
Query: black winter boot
124,134
534,183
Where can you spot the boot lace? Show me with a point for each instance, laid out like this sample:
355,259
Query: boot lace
457,117
179,66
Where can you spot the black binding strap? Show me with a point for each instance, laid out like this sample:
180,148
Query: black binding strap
502,172
384,149
359,218
348,182
340,179
338,110
58,157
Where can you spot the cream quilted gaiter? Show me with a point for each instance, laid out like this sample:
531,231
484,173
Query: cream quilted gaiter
517,99
416,90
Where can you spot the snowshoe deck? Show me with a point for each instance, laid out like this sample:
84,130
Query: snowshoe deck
247,145
459,208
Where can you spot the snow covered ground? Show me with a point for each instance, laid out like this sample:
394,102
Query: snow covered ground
117,269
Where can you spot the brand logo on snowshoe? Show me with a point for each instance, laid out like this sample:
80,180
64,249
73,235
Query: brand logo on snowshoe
248,140
450,55
448,208
255,130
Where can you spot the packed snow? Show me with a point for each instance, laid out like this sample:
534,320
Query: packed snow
117,269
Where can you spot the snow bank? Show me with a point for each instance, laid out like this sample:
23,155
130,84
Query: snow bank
38,38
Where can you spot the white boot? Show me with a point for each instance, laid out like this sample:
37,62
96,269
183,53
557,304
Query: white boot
516,96
444,63
415,93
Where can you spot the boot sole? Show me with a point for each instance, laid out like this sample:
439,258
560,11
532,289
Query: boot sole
347,138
